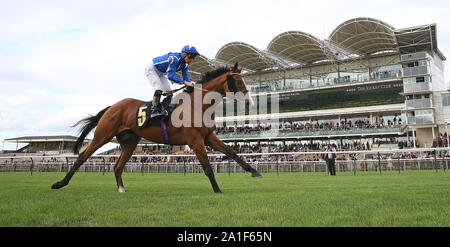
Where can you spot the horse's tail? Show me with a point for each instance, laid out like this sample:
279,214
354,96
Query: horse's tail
88,124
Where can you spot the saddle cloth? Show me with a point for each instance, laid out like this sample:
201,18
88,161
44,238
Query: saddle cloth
143,119
143,113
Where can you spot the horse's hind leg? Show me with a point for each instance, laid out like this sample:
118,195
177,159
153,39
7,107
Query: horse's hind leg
128,142
80,160
100,139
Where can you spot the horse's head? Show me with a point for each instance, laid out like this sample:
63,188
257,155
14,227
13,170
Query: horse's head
235,83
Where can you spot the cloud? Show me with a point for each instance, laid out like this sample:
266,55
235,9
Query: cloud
8,120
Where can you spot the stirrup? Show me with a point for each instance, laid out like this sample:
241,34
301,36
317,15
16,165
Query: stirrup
156,114
159,114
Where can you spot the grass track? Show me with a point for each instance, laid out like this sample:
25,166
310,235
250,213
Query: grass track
412,198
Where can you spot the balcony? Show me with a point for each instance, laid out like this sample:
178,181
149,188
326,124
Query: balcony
414,71
425,119
375,76
418,103
416,87
414,57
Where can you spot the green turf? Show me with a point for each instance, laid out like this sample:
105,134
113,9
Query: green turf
412,198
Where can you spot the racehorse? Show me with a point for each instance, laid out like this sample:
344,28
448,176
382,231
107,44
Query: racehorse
119,120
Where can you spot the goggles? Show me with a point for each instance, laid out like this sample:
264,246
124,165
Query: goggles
192,55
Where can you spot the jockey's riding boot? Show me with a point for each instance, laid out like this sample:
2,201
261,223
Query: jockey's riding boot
169,105
156,105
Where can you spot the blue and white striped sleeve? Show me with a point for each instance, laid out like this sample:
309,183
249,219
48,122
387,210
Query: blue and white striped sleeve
171,71
184,72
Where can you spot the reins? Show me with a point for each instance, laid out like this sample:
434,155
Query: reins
183,87
204,90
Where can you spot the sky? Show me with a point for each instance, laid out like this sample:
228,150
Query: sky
63,60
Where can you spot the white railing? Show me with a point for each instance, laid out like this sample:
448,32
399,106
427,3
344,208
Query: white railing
401,159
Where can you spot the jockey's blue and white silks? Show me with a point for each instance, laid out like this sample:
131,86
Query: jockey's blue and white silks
171,63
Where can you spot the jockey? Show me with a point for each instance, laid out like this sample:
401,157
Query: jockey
169,64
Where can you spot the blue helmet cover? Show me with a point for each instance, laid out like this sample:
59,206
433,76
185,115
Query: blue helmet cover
190,49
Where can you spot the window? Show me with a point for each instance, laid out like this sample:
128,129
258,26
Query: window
415,56
423,112
446,100
416,64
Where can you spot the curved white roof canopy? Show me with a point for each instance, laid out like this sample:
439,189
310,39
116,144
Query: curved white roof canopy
200,65
358,37
300,47
364,36
249,57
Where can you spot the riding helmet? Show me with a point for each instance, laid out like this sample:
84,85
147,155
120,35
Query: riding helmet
190,49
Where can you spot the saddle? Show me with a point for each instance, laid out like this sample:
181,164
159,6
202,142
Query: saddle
143,119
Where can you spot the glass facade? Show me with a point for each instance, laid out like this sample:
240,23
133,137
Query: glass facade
357,75
417,87
418,84
418,101
413,80
386,72
339,97
327,79
416,68
343,97
420,117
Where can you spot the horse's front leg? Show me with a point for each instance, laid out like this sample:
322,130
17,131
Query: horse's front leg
197,144
217,144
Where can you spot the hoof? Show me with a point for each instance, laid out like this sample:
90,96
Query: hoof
218,192
256,175
57,185
121,189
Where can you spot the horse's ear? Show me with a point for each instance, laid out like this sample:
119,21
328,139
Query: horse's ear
235,69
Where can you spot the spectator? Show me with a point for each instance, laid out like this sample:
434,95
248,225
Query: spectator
330,157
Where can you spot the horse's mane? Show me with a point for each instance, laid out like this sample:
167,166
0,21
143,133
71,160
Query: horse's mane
207,76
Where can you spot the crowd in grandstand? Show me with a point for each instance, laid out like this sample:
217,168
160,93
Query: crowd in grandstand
262,147
289,126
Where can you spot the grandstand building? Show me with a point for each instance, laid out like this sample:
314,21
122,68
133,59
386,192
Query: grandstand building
368,84
48,145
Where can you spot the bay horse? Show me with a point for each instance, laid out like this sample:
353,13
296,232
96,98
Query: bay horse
119,120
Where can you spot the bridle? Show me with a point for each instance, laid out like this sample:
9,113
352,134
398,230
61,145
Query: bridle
232,86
